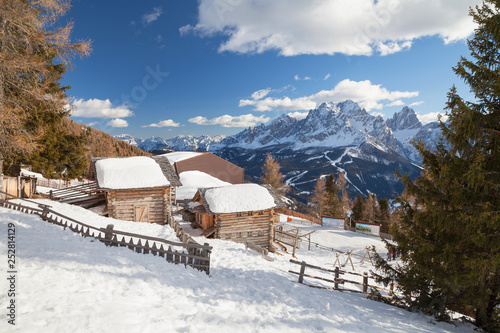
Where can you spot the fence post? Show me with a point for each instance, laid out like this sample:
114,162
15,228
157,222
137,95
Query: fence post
108,234
206,254
45,212
302,270
337,276
365,283
295,243
391,292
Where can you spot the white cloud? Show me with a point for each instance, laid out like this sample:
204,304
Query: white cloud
153,16
117,122
164,123
246,120
396,103
260,94
431,117
416,103
327,76
98,108
298,78
368,95
354,27
298,115
392,47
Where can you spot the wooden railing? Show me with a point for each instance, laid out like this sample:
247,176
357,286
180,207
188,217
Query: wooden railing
286,211
192,254
338,282
52,183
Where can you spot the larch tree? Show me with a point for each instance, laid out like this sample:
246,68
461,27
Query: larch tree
318,199
30,42
271,175
449,238
345,201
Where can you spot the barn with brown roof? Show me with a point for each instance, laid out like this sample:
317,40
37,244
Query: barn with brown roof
208,163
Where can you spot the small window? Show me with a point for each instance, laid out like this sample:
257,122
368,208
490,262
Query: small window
238,235
261,212
260,233
227,236
250,213
249,234
238,214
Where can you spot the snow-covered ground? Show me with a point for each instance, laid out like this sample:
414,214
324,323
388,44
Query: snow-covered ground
66,283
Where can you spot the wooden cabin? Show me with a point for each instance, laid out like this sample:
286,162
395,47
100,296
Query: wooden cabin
139,188
208,163
242,212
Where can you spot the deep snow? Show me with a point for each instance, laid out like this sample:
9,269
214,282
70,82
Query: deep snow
66,283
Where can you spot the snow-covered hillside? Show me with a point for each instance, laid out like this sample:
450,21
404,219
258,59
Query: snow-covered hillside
66,283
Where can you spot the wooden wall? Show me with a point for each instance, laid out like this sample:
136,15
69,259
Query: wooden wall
252,227
23,187
140,205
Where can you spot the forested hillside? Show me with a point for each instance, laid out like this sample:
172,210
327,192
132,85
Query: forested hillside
101,144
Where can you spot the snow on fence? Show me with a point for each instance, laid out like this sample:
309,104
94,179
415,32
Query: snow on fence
340,283
193,254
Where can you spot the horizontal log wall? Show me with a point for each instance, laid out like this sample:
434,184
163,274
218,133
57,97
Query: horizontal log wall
122,203
242,227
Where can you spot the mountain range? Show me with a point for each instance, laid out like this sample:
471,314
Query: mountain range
334,138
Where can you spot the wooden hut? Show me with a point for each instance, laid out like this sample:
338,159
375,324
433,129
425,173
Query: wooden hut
208,163
139,188
242,212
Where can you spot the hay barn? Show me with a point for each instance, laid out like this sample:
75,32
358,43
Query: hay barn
139,188
242,212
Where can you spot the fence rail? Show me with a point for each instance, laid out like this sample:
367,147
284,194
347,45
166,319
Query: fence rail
286,211
192,253
337,281
52,183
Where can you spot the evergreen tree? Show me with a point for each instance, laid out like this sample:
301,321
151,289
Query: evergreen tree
449,238
332,202
357,209
383,215
272,175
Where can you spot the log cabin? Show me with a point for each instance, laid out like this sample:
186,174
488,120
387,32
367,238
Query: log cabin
139,188
242,212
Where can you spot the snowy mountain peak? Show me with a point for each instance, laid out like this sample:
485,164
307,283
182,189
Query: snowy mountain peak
404,120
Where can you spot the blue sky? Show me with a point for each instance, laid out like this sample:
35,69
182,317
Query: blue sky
173,67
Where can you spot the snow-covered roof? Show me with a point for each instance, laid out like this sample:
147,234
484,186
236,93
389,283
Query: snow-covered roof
239,198
180,156
193,180
129,172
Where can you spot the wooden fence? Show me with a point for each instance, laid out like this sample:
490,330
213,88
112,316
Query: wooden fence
193,254
338,282
286,211
52,183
